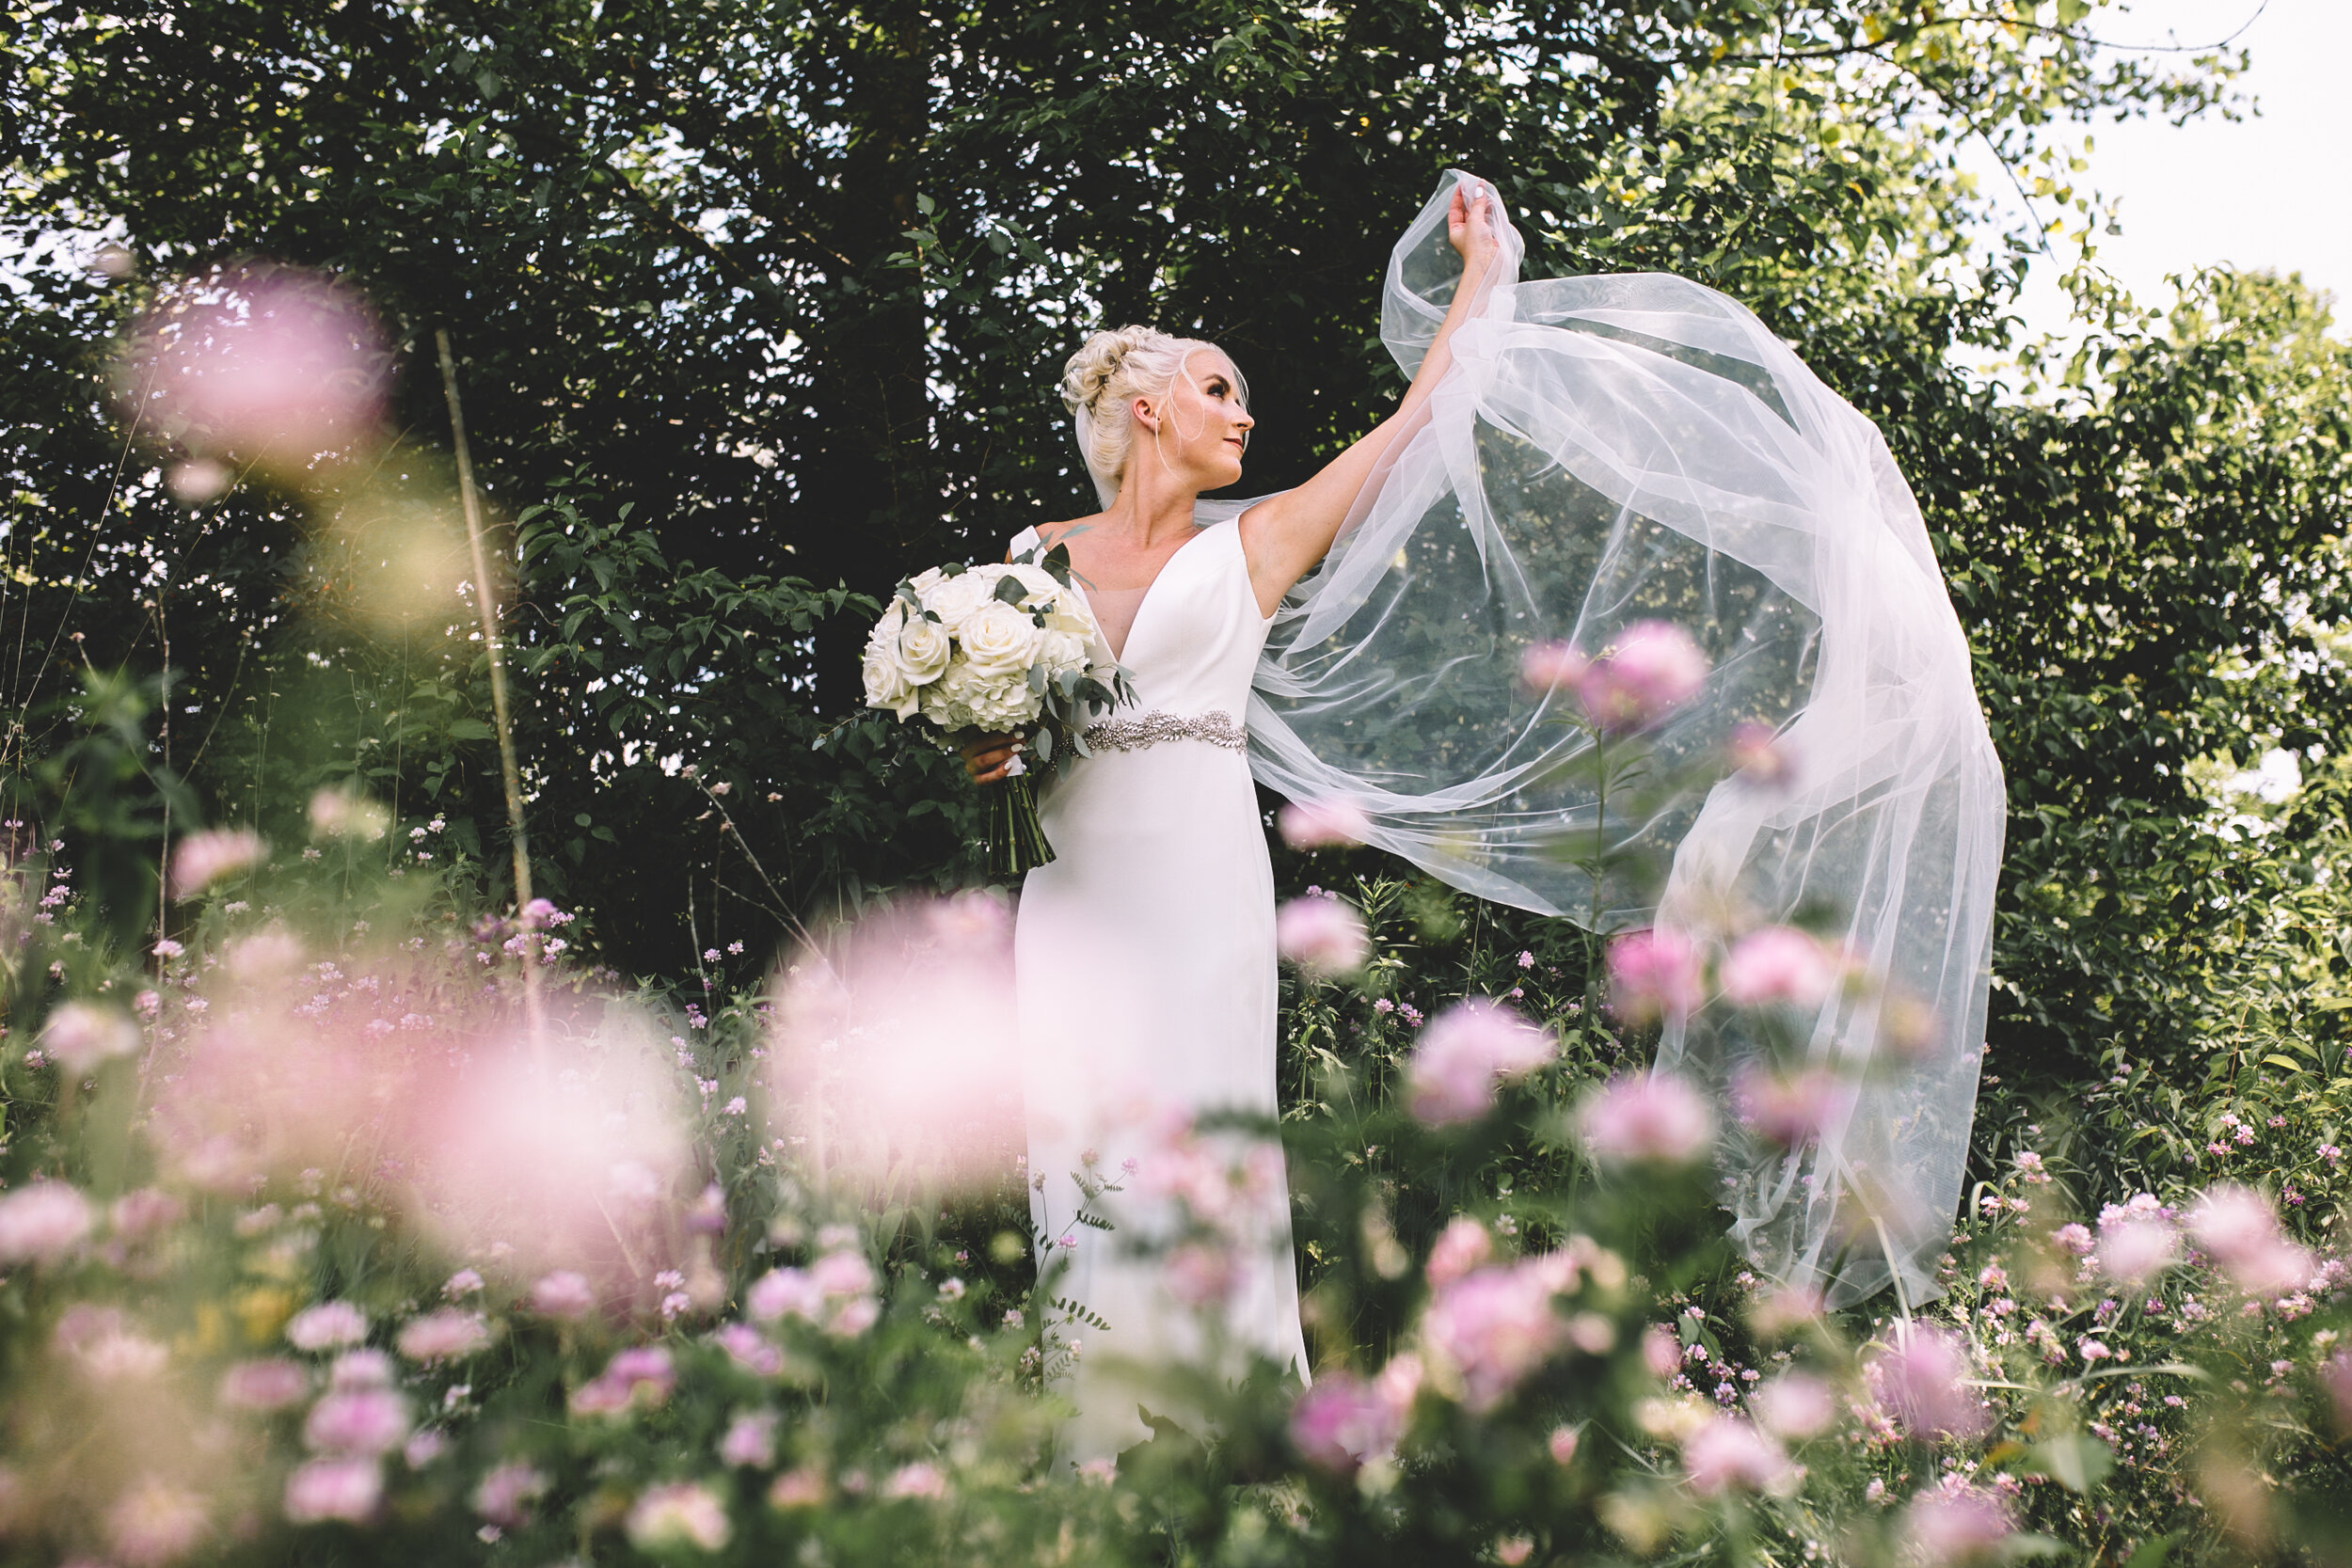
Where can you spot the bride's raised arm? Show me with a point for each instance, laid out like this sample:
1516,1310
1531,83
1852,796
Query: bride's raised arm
1284,536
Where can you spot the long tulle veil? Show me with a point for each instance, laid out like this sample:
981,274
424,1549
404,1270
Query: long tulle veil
1609,450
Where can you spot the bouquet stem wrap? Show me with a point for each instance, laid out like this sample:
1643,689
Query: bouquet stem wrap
1016,840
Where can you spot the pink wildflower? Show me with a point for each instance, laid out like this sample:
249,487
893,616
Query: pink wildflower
79,1035
1958,1525
326,1327
346,1489
1653,974
155,1523
751,1439
361,1421
1562,1445
1646,1118
266,366
917,1479
272,1383
636,1378
1323,935
1318,824
1453,1070
2240,1231
1779,963
1342,1422
1461,1246
1652,669
506,1494
448,1334
563,1295
1730,1454
1794,1405
2132,1250
203,858
1921,1379
42,1222
1493,1326
1789,1110
681,1514
1198,1274
1756,752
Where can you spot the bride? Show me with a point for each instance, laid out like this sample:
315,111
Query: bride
1144,953
1573,456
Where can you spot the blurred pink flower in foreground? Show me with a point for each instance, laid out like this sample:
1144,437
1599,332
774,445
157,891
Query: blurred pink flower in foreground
1461,1246
269,365
1652,669
346,1489
749,1440
563,1295
634,1379
2133,1249
1495,1326
79,1035
1342,1422
203,858
155,1523
1322,935
1199,1274
1779,963
1794,1405
327,1325
2237,1226
1956,1525
1756,752
42,1222
448,1334
681,1514
358,1421
505,1495
917,1479
1318,824
1464,1053
1789,1110
835,1293
1646,1118
898,1046
1653,974
271,1384
1728,1453
1922,1378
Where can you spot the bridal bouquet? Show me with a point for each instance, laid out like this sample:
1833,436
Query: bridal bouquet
975,650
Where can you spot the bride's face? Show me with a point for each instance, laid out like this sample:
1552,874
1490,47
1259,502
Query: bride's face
1198,432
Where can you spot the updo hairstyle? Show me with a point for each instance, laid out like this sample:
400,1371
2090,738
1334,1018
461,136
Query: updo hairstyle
1103,376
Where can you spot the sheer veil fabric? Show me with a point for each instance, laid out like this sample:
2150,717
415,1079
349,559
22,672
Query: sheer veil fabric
1609,450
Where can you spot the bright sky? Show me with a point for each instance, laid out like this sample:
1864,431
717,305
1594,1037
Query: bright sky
2273,190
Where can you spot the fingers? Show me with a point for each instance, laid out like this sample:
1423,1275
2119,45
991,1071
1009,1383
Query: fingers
987,758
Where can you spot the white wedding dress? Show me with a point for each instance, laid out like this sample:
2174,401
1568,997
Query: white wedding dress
1145,965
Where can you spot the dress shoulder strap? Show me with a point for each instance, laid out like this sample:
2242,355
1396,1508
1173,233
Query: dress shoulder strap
1026,540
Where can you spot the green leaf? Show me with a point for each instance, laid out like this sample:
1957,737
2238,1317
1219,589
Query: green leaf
2074,1461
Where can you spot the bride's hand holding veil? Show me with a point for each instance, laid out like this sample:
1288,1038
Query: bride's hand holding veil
1283,536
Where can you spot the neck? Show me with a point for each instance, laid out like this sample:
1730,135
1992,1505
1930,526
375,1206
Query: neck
1150,508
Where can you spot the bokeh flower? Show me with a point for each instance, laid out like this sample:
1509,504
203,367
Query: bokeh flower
1648,674
326,1327
1320,824
1787,1109
1921,1377
203,858
1343,1422
1464,1053
505,1495
1653,974
79,1035
1795,1405
1727,1453
681,1514
1324,936
270,1382
42,1222
2238,1229
1646,1118
1461,1246
346,1489
1956,1526
446,1335
1778,964
155,1523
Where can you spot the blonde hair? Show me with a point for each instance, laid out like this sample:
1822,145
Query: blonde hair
1102,378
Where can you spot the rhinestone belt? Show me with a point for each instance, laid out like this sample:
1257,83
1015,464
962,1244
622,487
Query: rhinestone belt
1150,729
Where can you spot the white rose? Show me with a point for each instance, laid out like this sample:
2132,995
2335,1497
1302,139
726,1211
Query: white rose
924,649
1062,650
998,639
1040,587
954,599
886,683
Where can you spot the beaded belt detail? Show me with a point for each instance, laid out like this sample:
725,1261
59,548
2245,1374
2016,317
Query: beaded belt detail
1150,729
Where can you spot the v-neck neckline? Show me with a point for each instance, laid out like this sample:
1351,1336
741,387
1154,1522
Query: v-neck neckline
1120,653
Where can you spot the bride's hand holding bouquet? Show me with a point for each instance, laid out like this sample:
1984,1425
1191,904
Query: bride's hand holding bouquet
1000,660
